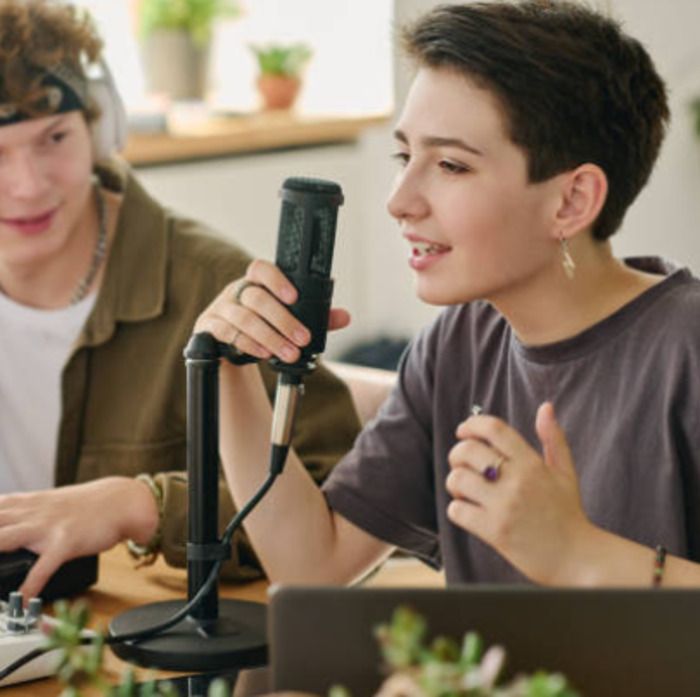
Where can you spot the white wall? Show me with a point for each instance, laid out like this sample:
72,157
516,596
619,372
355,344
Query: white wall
666,218
239,195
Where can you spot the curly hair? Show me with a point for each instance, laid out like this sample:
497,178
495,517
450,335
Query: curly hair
36,36
574,88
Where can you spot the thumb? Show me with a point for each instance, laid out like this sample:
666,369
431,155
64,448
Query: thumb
554,444
338,319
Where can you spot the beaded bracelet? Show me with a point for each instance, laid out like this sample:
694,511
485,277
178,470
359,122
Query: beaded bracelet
659,566
147,554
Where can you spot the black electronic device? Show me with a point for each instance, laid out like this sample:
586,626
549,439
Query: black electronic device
71,578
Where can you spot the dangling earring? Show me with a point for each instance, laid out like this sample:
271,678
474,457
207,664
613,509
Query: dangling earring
566,259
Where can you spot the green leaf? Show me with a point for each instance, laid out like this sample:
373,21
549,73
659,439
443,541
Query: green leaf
401,641
218,688
543,684
196,17
281,59
339,691
472,648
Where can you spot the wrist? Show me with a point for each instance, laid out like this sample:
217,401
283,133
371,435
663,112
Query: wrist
581,563
145,536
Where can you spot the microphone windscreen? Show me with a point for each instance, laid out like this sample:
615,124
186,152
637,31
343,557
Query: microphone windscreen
305,243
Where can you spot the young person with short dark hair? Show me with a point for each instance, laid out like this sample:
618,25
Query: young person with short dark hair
99,289
544,426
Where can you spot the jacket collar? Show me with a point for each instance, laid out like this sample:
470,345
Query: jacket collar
134,285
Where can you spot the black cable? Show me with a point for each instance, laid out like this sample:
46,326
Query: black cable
23,660
277,457
235,523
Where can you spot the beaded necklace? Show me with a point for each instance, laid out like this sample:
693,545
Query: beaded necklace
98,255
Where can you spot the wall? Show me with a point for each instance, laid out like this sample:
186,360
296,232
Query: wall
238,198
666,218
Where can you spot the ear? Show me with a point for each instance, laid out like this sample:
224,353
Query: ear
583,194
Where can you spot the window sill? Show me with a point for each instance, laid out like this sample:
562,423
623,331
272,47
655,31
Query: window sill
262,132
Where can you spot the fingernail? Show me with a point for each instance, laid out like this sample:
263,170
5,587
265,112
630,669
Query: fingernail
287,294
300,337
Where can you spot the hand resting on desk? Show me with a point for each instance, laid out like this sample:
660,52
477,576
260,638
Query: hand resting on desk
74,521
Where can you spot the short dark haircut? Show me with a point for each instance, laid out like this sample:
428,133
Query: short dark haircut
574,88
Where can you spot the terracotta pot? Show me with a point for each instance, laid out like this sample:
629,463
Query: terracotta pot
278,91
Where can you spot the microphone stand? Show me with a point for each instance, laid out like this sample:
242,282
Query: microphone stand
218,633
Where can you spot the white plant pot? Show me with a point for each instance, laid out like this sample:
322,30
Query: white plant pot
174,65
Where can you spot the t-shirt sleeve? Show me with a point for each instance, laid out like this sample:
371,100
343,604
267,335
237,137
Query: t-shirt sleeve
385,484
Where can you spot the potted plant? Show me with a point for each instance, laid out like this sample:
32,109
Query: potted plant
279,77
176,35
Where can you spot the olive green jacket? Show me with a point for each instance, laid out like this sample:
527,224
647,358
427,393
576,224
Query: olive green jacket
124,408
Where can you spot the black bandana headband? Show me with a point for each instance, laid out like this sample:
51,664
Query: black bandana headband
64,91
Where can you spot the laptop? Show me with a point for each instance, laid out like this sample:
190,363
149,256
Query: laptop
608,643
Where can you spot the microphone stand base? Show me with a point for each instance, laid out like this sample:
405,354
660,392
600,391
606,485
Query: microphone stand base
236,639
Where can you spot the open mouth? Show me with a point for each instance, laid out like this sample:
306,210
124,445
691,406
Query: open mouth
424,249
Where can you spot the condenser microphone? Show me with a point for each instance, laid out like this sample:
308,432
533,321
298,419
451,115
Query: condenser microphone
206,633
305,242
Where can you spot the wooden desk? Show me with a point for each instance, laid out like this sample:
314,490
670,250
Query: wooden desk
121,587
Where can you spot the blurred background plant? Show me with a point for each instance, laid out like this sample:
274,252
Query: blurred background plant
279,72
175,38
281,59
80,667
196,17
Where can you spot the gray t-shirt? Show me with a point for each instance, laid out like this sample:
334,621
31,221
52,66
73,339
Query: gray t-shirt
626,391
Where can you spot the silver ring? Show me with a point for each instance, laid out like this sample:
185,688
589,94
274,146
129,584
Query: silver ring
492,472
239,291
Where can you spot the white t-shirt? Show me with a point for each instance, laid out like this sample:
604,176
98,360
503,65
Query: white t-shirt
34,347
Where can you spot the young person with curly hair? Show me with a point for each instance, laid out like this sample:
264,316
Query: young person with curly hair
544,427
99,289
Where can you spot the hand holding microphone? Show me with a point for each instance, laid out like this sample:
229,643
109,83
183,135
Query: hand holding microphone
282,311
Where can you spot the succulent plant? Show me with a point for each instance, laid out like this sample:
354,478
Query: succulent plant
281,59
80,667
447,669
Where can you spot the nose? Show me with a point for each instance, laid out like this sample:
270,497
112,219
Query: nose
23,177
407,199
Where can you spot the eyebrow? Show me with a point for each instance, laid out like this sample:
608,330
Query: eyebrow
440,142
56,121
60,118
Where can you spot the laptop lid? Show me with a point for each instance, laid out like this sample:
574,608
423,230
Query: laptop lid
608,642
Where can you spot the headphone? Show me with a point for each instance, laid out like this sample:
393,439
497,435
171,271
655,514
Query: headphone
109,129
